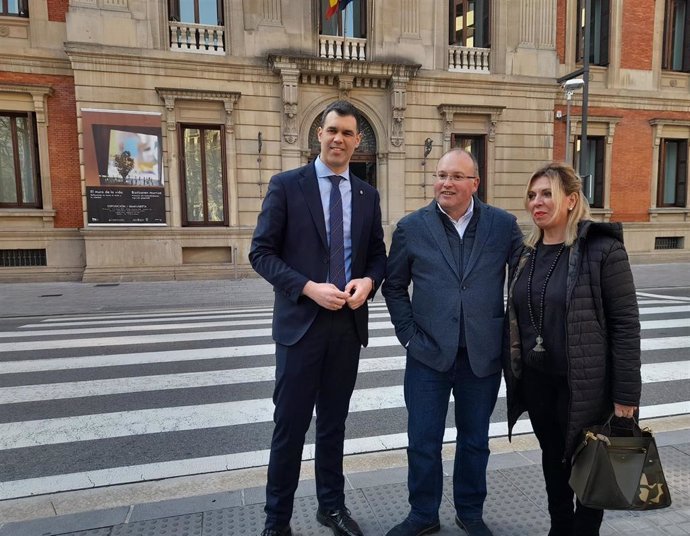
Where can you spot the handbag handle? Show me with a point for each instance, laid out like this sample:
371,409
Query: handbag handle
636,430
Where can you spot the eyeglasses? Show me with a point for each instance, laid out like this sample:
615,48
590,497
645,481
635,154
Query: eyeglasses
443,177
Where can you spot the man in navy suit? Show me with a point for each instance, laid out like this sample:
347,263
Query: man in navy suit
322,250
454,252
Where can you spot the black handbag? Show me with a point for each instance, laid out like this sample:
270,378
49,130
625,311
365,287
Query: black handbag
619,469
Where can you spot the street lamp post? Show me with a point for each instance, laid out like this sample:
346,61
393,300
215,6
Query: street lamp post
570,87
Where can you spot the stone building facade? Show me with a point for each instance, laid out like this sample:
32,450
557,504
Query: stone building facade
237,87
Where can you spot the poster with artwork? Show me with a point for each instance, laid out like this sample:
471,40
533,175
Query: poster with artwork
123,168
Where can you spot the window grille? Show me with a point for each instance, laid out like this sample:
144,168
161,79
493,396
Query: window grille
22,257
668,242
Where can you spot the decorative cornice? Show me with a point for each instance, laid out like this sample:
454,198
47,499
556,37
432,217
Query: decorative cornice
198,94
336,68
33,89
493,111
670,122
448,111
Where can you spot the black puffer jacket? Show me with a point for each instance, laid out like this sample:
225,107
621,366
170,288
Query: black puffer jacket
602,332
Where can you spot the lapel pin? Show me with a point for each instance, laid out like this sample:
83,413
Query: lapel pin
361,192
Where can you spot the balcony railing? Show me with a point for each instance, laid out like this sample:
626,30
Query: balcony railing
342,48
469,59
189,37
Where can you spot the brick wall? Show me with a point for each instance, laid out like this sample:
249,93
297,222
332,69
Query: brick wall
638,35
62,145
57,9
560,30
632,162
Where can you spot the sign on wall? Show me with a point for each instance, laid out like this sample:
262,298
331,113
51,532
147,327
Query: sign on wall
123,168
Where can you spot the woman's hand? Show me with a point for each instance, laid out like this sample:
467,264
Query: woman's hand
624,411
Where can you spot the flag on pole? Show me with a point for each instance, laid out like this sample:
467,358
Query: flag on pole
336,5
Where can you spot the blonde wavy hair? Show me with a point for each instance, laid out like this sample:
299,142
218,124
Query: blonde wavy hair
564,182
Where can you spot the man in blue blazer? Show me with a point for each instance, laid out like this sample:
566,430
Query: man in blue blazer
319,242
454,252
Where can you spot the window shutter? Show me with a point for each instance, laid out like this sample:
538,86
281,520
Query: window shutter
174,10
605,29
599,170
486,23
686,39
451,22
363,18
219,7
682,174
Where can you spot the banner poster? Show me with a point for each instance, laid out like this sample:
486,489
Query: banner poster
123,168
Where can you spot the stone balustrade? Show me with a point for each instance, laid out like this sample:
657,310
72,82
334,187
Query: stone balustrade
342,48
190,37
469,59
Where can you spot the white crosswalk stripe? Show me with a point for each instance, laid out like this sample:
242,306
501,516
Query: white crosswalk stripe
65,383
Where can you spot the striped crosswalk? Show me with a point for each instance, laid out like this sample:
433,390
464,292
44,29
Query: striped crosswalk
107,399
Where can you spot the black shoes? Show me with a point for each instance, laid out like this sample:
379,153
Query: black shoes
282,531
339,521
473,527
412,528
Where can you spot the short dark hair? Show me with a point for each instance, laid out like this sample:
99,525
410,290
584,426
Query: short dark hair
343,108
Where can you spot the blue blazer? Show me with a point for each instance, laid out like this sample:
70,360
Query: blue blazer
290,248
428,320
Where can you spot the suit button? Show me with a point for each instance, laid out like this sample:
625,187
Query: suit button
325,260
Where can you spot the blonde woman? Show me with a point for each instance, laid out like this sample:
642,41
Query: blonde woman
574,354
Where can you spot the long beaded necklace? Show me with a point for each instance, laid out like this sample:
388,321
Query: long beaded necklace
537,355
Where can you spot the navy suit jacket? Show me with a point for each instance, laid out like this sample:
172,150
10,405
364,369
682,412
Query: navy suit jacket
428,320
290,248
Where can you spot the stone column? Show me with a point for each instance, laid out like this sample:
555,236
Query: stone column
398,106
231,156
173,179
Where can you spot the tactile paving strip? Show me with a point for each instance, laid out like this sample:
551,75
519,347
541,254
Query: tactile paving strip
684,447
529,479
509,512
231,521
93,532
187,525
389,502
363,513
675,463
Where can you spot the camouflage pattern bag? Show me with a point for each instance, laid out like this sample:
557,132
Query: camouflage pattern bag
619,469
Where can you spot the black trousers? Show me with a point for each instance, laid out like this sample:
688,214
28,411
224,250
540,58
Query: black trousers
319,371
546,397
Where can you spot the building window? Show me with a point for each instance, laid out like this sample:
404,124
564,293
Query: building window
469,23
17,8
676,51
477,146
196,26
673,173
350,21
599,20
203,175
593,181
19,180
207,12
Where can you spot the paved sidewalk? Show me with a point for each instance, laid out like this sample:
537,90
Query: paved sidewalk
377,496
516,505
43,299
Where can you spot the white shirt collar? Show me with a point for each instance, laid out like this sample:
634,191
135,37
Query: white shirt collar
465,217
